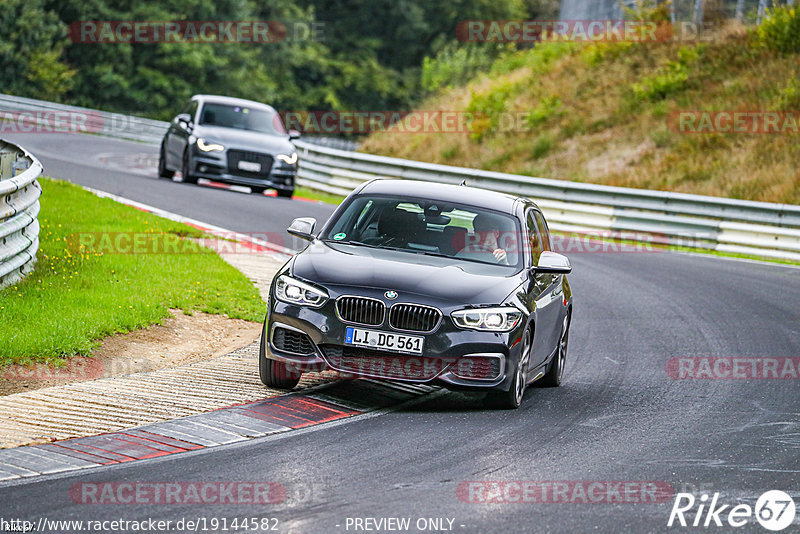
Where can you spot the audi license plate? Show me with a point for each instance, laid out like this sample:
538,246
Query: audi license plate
250,166
389,341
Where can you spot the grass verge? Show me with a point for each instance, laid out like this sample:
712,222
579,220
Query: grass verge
91,281
311,194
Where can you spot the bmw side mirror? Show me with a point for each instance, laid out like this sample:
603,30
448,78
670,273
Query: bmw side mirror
184,119
552,263
303,228
294,134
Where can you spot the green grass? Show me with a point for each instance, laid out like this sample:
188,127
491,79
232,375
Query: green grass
77,296
328,198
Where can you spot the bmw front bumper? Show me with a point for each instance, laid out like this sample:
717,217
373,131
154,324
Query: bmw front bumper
453,357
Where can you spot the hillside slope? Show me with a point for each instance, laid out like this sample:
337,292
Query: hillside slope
608,113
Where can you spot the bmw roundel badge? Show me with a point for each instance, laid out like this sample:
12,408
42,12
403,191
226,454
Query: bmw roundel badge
391,295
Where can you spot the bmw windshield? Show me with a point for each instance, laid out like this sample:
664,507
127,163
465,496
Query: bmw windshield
428,227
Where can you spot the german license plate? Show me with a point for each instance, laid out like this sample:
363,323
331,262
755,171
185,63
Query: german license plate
389,341
250,166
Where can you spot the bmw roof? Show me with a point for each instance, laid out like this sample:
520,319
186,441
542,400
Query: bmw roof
473,196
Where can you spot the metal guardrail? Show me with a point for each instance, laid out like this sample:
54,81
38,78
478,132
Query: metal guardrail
105,123
55,117
729,225
19,209
695,221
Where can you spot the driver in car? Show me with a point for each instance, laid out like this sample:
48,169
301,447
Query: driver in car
486,241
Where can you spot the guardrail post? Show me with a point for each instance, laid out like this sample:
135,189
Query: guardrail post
739,10
698,13
19,210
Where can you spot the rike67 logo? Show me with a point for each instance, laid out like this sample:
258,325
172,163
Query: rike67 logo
774,510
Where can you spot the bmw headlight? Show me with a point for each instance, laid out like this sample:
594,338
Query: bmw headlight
294,291
500,319
291,160
208,147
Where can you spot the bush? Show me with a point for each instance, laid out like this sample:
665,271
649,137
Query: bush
488,106
670,79
547,108
789,97
541,147
780,30
456,64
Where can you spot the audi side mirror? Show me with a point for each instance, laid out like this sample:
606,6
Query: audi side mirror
184,119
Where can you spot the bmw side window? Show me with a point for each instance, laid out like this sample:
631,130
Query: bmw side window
534,241
543,231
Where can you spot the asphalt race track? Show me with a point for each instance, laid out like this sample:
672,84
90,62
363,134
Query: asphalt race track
620,416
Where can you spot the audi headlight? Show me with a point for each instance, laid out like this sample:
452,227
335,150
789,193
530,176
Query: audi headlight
500,319
294,291
208,147
291,160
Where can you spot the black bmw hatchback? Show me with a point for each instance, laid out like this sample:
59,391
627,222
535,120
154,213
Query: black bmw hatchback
427,283
230,140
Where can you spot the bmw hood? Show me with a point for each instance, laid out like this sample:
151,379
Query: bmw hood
245,139
445,280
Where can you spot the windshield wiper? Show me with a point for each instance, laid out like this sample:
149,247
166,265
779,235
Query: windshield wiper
434,254
355,243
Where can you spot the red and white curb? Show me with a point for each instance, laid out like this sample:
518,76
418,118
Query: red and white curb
233,424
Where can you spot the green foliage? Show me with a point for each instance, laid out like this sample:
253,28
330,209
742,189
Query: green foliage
597,53
32,39
670,79
370,54
539,59
650,10
547,108
488,107
789,97
780,30
541,147
456,64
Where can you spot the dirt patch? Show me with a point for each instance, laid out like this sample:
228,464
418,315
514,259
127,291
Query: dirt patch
180,340
619,160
